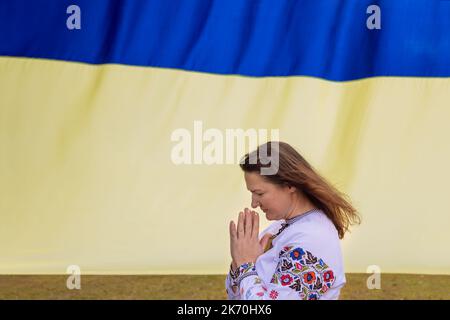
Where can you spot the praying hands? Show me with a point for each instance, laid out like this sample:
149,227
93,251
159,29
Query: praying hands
245,246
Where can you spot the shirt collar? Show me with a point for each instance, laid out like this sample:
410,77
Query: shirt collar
297,218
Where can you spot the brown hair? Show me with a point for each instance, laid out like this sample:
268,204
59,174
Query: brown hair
294,170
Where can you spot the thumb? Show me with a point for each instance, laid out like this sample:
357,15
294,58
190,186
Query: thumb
264,240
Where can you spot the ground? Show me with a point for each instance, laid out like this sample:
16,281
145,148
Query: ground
393,286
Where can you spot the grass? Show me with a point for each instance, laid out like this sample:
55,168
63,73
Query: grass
393,286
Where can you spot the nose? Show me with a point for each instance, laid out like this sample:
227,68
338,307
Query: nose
255,204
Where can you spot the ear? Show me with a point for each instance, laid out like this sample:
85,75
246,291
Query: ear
292,189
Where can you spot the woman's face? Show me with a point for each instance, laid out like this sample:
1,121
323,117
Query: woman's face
276,201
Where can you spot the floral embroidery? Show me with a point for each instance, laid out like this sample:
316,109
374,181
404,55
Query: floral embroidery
297,253
317,285
286,280
245,270
309,277
273,294
303,272
313,296
310,259
242,269
325,288
233,274
328,276
246,267
297,285
286,265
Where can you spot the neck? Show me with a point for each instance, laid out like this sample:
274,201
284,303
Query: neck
300,209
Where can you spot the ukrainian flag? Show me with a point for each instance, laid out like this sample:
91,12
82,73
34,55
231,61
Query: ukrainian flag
91,91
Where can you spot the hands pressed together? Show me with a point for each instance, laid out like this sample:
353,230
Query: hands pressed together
244,243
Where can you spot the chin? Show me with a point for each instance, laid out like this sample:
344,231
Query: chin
270,217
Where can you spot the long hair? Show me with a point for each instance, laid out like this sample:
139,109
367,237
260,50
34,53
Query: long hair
294,170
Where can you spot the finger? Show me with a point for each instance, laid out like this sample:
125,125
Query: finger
240,226
233,232
251,219
255,230
233,236
248,223
265,239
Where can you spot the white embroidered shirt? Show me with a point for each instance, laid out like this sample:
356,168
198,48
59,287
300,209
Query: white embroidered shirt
304,262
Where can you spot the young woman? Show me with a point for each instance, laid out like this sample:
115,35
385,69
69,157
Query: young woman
298,256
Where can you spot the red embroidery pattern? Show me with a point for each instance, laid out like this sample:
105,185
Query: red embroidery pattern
303,272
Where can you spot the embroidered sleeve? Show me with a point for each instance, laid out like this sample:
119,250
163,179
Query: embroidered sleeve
299,275
231,288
